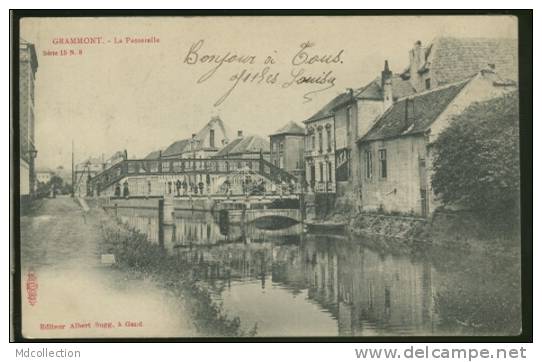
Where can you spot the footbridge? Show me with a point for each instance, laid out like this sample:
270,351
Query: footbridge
192,176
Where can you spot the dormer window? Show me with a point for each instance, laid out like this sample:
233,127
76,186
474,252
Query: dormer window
428,83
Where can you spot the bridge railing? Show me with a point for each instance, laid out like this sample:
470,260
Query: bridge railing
189,165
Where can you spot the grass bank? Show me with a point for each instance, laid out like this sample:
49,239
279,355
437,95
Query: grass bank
134,253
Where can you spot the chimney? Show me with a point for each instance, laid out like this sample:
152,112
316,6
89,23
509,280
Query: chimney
193,135
417,60
240,133
387,88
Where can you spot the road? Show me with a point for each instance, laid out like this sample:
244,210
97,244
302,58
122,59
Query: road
76,295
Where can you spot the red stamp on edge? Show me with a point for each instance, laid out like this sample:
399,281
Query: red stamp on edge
31,288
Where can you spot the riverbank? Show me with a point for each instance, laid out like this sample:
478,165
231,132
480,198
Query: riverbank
444,228
137,255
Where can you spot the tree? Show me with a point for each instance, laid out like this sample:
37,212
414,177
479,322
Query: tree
476,160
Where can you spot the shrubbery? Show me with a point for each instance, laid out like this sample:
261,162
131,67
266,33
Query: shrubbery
476,162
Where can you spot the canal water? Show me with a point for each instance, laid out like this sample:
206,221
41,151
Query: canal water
288,283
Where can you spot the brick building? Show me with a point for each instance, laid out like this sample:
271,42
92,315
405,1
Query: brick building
28,65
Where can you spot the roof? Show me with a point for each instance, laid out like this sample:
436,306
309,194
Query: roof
327,110
215,121
413,114
373,90
290,128
176,148
153,155
228,148
242,145
453,59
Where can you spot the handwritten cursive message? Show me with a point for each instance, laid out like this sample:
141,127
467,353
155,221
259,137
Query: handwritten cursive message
262,70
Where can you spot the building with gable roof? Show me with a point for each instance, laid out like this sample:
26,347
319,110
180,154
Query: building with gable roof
396,159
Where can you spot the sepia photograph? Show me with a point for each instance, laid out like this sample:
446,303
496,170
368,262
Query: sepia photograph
201,177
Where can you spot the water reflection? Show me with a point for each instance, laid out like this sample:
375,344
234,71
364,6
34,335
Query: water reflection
291,284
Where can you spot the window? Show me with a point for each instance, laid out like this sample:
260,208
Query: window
321,172
212,138
368,164
428,83
313,141
383,163
329,172
281,146
328,131
320,141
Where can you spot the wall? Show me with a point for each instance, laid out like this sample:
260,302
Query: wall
400,190
26,117
291,154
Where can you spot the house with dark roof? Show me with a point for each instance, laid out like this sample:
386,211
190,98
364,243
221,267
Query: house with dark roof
249,147
287,147
396,154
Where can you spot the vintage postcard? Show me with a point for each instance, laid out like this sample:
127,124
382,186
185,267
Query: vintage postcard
268,176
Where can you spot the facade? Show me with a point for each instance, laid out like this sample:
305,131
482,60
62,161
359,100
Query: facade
287,146
396,155
320,146
348,116
28,65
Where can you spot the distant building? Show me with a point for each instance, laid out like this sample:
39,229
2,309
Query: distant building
396,154
287,147
249,147
28,65
204,144
44,175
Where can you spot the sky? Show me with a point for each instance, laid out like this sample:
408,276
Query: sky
143,96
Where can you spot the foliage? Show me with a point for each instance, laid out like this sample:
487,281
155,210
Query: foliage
476,161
